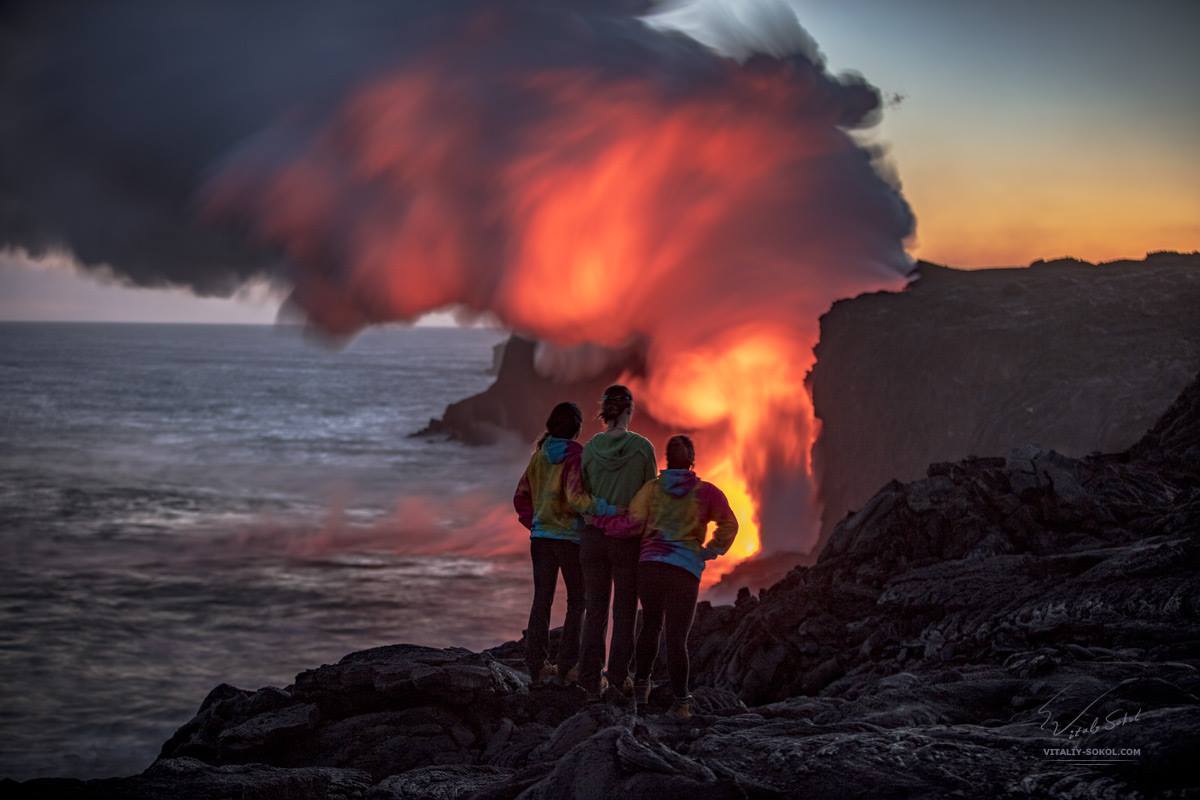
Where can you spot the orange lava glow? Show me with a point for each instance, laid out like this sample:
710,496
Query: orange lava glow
748,542
715,226
735,390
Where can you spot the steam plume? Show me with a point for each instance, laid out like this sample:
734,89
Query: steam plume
579,174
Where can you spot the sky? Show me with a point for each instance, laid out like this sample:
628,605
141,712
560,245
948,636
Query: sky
1033,128
1024,129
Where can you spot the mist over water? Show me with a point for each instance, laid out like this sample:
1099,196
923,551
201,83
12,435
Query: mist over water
182,506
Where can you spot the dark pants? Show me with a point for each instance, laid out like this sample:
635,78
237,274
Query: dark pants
668,593
609,573
550,556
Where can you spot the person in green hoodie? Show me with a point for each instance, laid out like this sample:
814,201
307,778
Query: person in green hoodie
550,501
616,463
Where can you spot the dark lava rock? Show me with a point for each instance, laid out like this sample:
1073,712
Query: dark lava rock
438,783
1009,627
979,561
190,779
384,711
758,572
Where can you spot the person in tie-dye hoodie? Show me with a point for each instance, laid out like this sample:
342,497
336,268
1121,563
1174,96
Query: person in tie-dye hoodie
549,501
672,513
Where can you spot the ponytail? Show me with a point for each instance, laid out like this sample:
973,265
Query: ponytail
616,401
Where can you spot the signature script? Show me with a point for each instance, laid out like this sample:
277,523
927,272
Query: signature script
1086,722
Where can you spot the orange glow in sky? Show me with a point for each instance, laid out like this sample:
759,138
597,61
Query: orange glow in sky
1046,201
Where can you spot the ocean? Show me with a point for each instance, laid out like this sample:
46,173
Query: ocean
186,505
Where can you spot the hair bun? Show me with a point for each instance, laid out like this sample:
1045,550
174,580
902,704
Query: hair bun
616,401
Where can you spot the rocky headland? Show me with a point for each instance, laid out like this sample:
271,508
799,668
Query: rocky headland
1021,625
519,399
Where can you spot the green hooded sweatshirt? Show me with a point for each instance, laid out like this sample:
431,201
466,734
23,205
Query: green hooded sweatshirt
618,463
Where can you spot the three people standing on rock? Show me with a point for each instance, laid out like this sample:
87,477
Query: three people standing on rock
633,533
616,463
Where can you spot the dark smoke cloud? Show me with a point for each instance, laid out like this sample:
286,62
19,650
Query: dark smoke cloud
114,115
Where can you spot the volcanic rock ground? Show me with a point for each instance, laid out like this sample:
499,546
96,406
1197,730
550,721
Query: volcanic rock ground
956,636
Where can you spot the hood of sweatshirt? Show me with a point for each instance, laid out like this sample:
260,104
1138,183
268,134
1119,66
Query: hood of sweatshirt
556,449
678,482
613,450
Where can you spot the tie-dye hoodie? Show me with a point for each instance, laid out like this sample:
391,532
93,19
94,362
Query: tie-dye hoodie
551,497
673,512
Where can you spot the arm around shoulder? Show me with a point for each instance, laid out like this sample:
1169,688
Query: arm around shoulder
578,497
630,523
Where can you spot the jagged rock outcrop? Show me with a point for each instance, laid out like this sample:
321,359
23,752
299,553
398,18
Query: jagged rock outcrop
983,560
516,402
969,634
520,399
1065,355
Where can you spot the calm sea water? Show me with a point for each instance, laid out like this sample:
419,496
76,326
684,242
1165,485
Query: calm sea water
187,505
